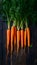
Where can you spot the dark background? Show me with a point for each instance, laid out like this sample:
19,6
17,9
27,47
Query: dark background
31,58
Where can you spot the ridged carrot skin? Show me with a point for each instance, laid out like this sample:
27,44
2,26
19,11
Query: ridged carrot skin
18,40
28,36
22,38
25,38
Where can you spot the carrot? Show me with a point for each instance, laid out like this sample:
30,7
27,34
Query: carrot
7,42
22,38
8,39
28,36
15,37
12,36
25,38
18,40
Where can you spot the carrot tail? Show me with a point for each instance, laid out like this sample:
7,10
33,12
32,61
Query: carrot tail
22,36
25,38
28,36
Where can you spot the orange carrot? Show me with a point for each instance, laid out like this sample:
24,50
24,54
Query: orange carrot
7,42
18,40
22,38
12,36
8,39
15,37
28,36
25,38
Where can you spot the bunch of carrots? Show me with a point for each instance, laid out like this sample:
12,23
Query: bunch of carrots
18,36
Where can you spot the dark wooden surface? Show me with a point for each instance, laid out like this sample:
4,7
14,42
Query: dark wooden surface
31,58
